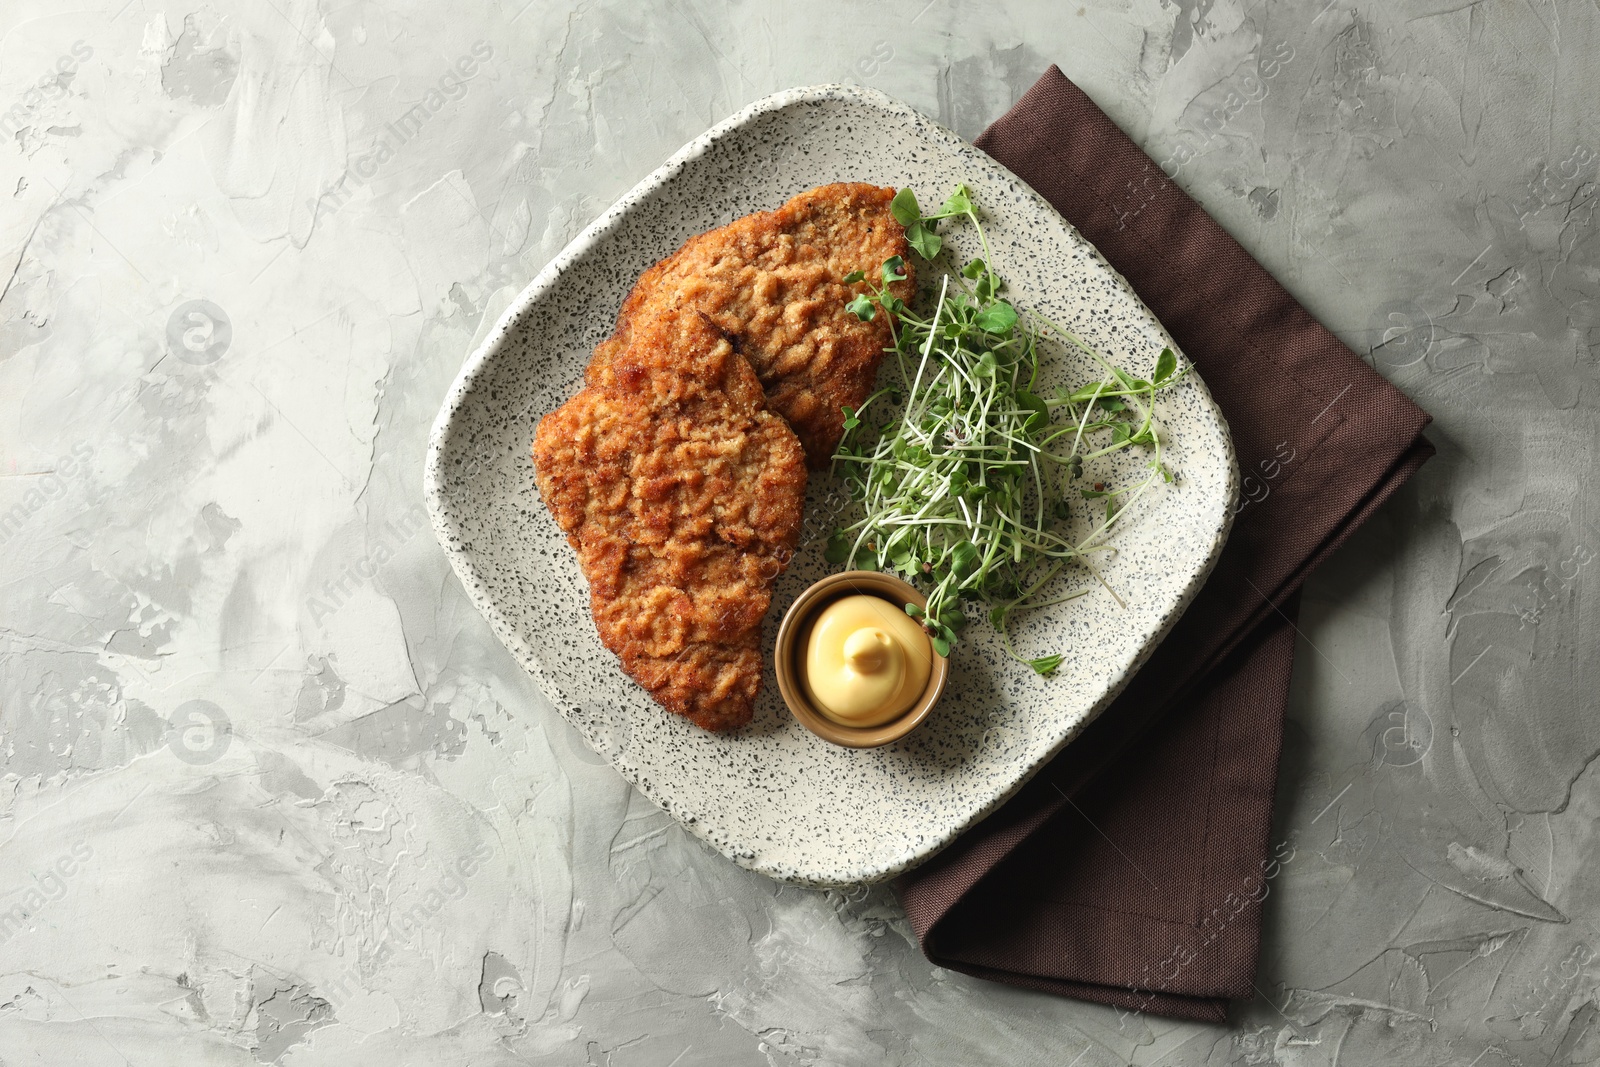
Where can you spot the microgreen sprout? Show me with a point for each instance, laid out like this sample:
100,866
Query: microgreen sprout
969,476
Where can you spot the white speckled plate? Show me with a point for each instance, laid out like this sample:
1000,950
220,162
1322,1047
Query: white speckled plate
773,797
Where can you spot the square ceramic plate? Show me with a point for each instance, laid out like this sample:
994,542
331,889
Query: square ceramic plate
772,797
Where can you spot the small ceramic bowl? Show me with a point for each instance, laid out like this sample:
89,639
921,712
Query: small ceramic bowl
795,631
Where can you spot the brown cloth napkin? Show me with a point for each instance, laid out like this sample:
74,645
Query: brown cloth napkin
1130,871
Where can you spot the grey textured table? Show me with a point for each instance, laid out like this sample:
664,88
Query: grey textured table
271,790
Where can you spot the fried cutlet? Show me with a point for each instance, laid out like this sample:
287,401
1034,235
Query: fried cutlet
774,283
682,496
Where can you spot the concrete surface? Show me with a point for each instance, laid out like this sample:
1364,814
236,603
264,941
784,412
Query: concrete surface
271,791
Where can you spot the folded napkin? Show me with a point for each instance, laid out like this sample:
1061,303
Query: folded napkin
1130,871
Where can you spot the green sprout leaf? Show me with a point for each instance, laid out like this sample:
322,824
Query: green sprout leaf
1129,381
998,317
904,207
862,308
941,644
959,202
973,269
924,240
1046,665
894,270
1041,411
850,420
1166,363
854,276
1085,393
963,559
914,611
838,549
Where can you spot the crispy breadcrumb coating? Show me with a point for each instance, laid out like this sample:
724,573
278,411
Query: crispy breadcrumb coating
774,283
682,496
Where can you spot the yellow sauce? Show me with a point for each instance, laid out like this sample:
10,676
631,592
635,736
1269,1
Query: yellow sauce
867,661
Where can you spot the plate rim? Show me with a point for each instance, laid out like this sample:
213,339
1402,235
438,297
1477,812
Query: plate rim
447,533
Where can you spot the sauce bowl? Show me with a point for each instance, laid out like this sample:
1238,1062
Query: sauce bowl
794,634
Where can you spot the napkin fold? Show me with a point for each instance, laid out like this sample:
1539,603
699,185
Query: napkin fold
1130,871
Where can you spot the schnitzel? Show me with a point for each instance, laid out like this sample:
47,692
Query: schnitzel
773,282
682,496
678,472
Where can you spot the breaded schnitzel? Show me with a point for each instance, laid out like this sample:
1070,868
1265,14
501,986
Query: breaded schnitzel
774,283
682,496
